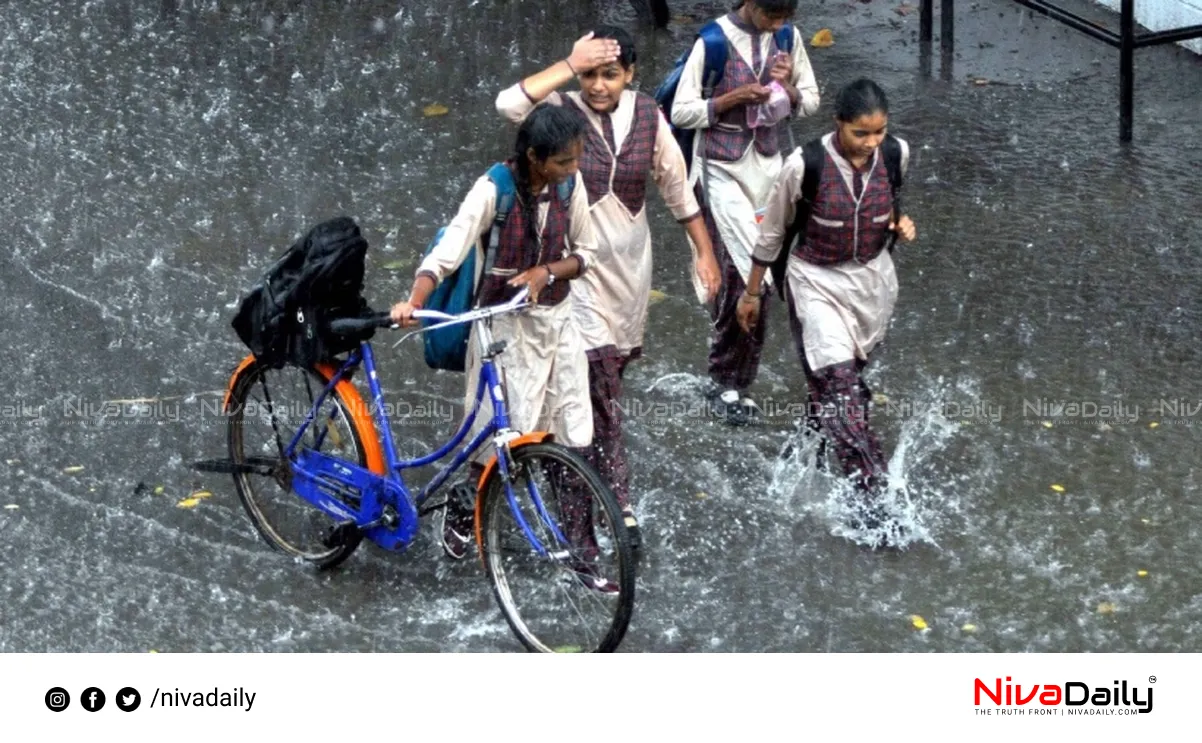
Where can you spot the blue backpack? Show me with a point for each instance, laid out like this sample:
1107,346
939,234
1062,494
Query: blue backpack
716,49
446,348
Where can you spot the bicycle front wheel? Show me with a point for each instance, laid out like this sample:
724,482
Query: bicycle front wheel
557,554
266,408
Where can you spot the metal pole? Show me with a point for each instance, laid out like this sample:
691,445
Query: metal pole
946,37
946,28
1126,70
926,21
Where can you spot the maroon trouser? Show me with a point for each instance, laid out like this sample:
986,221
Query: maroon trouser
606,365
734,358
837,406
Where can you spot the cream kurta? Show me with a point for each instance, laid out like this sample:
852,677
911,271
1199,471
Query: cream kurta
610,301
545,367
844,308
736,190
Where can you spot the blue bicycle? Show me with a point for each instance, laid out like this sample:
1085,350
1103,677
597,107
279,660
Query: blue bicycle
309,466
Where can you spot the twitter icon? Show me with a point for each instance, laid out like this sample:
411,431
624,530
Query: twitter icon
128,699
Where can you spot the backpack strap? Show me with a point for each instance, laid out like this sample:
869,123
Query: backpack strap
891,150
502,178
784,38
715,57
813,154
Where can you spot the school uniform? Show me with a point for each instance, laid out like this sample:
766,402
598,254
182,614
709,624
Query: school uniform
734,170
842,288
545,367
622,148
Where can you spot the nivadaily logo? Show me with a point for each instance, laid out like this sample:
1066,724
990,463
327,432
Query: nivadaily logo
1071,694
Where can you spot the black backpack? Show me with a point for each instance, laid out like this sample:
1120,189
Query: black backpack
814,155
285,317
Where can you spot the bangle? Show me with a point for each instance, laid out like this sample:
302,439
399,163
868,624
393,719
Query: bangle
748,295
568,62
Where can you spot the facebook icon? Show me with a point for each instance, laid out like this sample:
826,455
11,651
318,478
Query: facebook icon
92,699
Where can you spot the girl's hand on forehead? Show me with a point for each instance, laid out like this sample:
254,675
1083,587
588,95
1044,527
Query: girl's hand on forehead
589,53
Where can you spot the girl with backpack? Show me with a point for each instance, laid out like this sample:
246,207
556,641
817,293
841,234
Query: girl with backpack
545,242
627,141
841,285
735,162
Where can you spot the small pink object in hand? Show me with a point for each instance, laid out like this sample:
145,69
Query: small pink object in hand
774,110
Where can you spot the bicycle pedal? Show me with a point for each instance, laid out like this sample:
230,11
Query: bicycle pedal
341,535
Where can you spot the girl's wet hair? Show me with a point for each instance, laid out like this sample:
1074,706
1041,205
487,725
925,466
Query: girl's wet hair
860,98
627,55
772,6
548,130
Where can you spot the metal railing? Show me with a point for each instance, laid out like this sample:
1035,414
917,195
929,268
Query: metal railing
1126,40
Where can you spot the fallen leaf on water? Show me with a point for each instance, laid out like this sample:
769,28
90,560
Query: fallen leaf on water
823,39
1058,488
152,651
969,628
395,265
201,494
1047,424
569,649
73,469
1106,607
1153,424
188,503
435,109
655,296
335,438
158,490
702,495
918,622
1142,573
981,81
1145,521
11,507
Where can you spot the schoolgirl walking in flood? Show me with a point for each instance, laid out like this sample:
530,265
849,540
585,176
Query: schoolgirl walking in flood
841,282
544,243
736,160
628,141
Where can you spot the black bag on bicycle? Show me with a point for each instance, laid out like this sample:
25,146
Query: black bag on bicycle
285,317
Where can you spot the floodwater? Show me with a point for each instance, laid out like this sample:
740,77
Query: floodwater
1039,391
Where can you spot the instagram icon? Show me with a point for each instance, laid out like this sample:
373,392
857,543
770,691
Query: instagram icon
57,699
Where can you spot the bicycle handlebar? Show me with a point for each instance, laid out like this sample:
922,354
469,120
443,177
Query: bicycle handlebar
351,325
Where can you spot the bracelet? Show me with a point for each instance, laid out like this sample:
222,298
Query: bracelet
568,62
550,274
747,294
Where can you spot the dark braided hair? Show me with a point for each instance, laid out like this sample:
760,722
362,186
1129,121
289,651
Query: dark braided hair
548,130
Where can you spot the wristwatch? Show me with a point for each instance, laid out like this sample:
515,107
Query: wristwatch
550,275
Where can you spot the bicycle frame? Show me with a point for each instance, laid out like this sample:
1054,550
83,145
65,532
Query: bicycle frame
388,512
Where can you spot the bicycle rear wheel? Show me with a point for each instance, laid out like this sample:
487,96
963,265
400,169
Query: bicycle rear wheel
265,409
578,595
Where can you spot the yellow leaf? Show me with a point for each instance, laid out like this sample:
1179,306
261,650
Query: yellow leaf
1142,573
73,469
152,651
188,503
332,434
1058,488
201,494
655,296
702,495
435,109
822,39
1047,424
158,490
1153,424
969,628
918,622
395,265
1106,607
879,397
